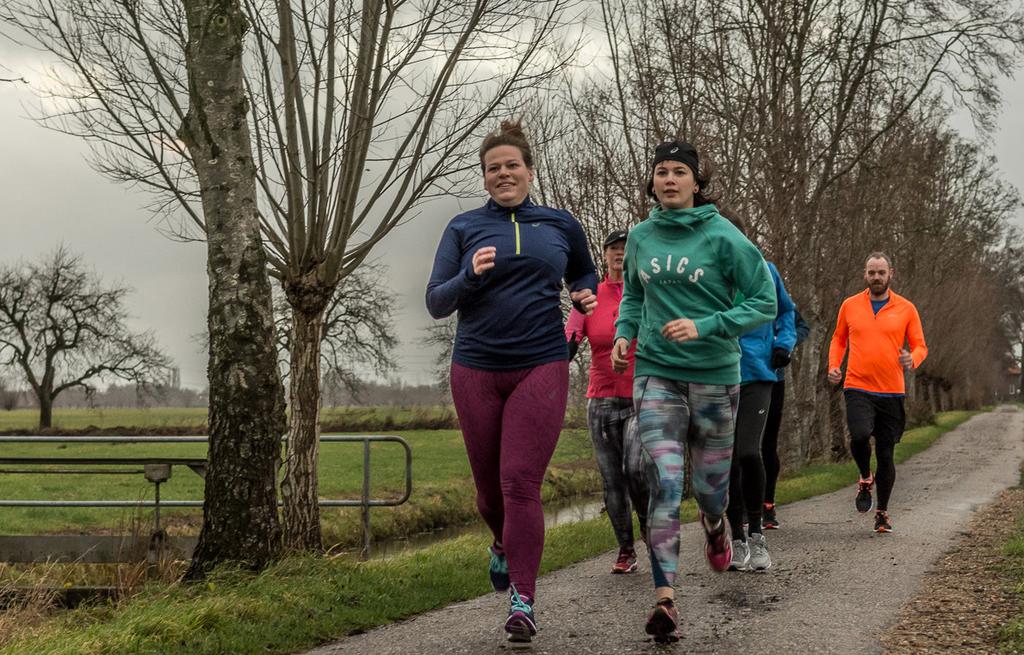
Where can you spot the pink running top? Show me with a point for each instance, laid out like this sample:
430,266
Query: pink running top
599,329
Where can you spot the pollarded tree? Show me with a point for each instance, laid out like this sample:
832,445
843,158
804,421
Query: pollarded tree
61,328
358,332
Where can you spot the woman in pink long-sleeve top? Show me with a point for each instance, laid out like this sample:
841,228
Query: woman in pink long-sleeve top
610,408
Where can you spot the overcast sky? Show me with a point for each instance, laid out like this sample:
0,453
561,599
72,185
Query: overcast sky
49,195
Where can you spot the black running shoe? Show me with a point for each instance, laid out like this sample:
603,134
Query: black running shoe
498,570
768,519
882,522
864,501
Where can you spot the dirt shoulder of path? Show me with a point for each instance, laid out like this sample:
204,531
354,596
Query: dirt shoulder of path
969,594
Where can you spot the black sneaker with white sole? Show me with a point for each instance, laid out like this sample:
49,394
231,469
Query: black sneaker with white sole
864,501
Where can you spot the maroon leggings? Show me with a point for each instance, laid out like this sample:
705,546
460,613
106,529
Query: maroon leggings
510,422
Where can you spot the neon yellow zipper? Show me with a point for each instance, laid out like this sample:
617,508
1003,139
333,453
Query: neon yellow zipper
517,232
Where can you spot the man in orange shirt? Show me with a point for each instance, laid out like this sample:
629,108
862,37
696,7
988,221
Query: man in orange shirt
877,325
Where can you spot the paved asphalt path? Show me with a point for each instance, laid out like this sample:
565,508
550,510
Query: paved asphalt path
834,586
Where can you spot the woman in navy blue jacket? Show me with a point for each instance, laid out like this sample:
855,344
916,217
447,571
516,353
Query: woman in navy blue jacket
501,267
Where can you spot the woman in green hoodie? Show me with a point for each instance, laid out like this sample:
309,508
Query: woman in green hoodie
685,268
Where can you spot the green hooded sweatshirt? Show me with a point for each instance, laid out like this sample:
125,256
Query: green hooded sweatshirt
695,264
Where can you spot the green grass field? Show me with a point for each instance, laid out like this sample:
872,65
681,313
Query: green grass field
305,601
27,419
164,417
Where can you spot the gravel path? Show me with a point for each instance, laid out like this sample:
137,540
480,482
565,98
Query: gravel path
834,587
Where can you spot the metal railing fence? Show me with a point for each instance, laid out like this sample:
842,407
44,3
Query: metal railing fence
158,469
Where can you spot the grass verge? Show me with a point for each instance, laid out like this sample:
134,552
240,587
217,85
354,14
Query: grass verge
304,601
1011,638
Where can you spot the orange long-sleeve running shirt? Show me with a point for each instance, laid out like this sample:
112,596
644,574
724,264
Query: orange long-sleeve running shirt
875,341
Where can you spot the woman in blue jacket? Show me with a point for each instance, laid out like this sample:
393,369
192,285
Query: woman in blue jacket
501,267
747,478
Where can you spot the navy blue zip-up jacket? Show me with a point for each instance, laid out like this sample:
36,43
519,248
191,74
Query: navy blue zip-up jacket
510,316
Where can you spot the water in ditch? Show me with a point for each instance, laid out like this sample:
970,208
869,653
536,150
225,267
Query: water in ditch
574,510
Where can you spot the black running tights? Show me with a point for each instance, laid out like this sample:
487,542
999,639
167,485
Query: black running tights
746,479
770,442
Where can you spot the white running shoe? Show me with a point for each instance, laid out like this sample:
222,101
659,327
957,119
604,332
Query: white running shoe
759,558
740,555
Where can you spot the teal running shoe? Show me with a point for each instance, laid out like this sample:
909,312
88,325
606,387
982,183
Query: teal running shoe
520,624
498,570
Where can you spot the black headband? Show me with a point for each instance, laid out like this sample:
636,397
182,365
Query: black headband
676,151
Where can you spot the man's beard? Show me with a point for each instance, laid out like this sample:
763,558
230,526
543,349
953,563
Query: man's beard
878,288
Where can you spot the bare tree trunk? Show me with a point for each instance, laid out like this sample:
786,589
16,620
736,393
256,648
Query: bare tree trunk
299,486
240,520
810,436
45,410
45,413
838,447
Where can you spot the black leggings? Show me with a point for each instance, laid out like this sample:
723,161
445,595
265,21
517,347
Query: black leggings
746,480
884,418
770,442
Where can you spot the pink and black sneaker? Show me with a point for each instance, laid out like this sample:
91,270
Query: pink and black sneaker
718,549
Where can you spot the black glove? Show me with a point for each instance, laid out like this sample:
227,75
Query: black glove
780,358
574,347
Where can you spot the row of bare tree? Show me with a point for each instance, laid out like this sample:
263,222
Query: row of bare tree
825,122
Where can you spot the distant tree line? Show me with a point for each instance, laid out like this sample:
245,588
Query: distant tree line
336,394
394,393
115,395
